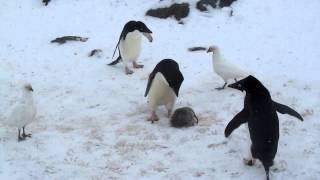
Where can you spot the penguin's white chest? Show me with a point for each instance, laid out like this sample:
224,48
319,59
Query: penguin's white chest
130,48
160,92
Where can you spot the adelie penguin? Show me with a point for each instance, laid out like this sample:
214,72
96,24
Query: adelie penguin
260,112
129,44
163,87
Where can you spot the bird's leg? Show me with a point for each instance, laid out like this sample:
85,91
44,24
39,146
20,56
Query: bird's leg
169,107
24,134
169,112
249,161
136,65
222,87
128,71
20,138
153,117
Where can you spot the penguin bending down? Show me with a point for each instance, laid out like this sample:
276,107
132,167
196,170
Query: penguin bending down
129,44
163,86
260,111
225,69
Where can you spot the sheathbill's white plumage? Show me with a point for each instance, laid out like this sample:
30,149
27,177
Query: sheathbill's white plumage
225,69
23,112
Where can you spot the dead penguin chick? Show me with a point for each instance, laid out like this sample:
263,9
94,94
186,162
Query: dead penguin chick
184,117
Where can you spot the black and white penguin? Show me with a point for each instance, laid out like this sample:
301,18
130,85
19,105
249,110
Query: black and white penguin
163,86
129,44
260,111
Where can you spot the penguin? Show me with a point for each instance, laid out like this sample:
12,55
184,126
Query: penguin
129,44
163,86
23,112
224,68
260,112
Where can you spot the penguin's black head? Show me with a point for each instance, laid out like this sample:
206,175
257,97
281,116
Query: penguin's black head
170,69
247,84
139,26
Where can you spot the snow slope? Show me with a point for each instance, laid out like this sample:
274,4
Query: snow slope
91,121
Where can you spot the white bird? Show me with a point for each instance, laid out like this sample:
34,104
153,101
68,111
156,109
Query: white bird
23,112
225,69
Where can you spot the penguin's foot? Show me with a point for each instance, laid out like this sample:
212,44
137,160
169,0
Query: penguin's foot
135,65
128,71
153,117
219,88
222,87
249,162
26,135
20,138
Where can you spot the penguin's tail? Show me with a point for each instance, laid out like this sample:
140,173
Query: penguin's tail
266,169
115,61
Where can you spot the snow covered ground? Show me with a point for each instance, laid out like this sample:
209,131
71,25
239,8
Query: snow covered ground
91,121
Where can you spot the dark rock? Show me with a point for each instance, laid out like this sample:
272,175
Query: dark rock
64,39
179,11
198,48
202,4
94,52
226,3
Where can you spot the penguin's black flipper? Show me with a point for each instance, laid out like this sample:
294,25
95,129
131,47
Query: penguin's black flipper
115,49
115,61
151,77
236,121
283,109
122,35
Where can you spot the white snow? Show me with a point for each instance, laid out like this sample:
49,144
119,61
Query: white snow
91,118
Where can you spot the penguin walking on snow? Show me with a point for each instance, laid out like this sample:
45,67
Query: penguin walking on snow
163,86
129,44
260,111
